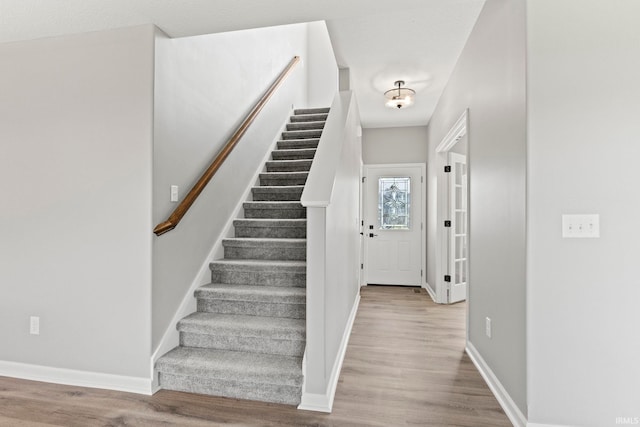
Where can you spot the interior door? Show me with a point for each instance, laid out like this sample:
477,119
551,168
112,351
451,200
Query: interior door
458,233
393,224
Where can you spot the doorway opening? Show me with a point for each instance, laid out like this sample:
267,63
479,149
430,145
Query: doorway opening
453,212
393,224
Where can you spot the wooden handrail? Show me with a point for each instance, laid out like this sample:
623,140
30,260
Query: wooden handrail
193,194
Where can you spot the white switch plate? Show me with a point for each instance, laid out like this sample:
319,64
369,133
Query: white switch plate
34,325
487,326
581,226
174,193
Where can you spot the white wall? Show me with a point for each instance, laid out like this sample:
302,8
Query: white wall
321,66
583,105
489,79
205,86
75,158
395,145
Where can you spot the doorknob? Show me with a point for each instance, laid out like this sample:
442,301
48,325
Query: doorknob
372,235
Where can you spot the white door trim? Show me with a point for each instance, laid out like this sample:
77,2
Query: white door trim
423,213
455,134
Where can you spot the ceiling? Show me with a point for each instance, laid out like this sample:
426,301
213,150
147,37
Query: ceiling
380,41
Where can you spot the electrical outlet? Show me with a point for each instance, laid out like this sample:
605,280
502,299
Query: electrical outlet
34,325
487,326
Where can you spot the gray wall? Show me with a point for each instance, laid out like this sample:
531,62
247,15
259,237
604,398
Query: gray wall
75,155
205,86
395,145
583,301
489,79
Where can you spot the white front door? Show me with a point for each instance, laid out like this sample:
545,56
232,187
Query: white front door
458,241
393,225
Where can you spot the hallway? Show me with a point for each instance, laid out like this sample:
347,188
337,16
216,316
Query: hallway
405,365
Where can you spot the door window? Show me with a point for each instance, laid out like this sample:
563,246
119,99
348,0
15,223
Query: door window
394,203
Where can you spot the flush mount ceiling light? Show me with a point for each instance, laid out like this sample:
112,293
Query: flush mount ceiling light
399,97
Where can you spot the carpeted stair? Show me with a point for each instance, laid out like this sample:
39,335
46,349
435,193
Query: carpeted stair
247,338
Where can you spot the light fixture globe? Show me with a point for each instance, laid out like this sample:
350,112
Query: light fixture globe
399,97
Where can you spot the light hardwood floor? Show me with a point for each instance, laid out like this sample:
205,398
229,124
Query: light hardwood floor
405,365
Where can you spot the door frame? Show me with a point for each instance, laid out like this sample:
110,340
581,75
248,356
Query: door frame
458,131
423,214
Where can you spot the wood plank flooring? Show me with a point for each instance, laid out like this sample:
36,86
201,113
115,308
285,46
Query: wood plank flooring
405,365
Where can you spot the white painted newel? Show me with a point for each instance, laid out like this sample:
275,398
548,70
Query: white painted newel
324,402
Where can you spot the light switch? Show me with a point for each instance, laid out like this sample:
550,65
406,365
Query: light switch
174,193
580,226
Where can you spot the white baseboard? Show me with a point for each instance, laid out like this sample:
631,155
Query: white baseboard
73,377
516,416
544,425
430,292
171,337
324,402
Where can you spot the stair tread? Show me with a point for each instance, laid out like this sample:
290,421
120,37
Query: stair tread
226,364
306,125
270,222
315,110
243,325
301,118
263,264
279,188
280,294
285,174
294,150
253,241
289,161
275,204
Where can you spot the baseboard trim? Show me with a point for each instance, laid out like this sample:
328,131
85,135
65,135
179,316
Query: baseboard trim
514,414
77,378
544,425
430,292
324,402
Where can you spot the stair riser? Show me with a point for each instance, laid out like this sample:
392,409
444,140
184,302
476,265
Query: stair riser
275,213
293,144
294,154
264,392
272,232
259,278
301,134
272,195
305,126
252,308
295,166
267,253
247,344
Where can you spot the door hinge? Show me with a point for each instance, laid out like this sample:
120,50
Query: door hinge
447,278
421,273
447,169
363,178
447,223
361,266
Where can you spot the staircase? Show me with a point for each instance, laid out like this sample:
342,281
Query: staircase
247,338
